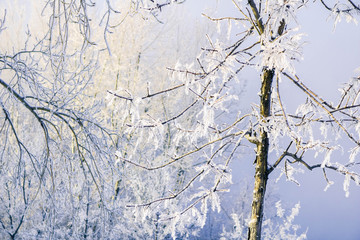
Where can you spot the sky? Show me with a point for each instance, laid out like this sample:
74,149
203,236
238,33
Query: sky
331,57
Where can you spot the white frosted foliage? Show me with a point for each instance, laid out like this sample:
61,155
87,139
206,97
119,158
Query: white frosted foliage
347,185
326,160
280,210
280,53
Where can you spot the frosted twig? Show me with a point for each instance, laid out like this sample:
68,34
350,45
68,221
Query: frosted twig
224,18
321,103
281,105
173,195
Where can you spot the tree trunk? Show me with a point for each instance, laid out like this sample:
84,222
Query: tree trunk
261,174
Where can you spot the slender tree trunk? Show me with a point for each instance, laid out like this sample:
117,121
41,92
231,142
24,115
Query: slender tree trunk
261,174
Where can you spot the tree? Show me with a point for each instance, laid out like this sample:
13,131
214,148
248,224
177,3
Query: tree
132,135
59,132
270,127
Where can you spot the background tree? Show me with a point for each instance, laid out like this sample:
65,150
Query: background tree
59,133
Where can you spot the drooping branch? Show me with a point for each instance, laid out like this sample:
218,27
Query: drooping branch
172,196
32,111
353,175
175,159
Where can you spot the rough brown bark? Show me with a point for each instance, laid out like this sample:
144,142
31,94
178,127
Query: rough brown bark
261,173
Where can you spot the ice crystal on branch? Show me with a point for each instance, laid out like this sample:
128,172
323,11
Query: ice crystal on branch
281,52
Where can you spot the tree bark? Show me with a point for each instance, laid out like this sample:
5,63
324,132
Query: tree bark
261,173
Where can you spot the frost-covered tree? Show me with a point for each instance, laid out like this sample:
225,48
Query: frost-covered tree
117,123
269,41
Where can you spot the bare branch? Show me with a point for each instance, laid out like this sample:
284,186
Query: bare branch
175,159
285,153
174,195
